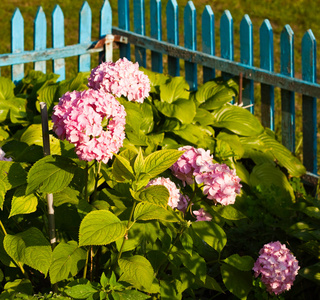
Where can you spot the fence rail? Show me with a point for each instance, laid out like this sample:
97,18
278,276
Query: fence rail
264,74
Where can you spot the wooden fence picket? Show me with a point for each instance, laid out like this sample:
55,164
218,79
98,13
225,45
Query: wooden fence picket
190,42
40,38
246,57
140,28
85,16
105,28
287,97
17,44
156,33
266,62
309,104
173,35
58,65
124,23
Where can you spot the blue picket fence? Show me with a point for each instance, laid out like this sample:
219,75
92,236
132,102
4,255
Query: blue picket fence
264,74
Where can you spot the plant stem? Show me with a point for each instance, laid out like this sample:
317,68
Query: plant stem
86,265
96,181
86,183
3,229
127,229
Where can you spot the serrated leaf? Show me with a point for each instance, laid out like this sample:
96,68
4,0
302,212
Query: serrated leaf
100,227
242,263
31,248
155,194
196,265
22,203
139,163
211,233
311,272
81,291
137,271
237,120
147,211
50,174
312,211
12,174
161,160
187,243
229,212
122,169
68,195
3,191
130,295
237,282
67,260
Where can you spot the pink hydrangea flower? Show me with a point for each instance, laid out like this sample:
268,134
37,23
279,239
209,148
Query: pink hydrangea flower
277,266
122,78
3,156
176,200
202,215
190,162
93,121
220,183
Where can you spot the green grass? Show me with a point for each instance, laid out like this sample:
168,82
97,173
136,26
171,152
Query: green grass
301,15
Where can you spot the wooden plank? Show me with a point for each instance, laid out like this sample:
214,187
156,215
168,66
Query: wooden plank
208,40
17,44
226,39
287,97
140,28
85,24
190,42
172,11
156,33
266,62
124,23
309,104
250,72
246,57
106,28
58,65
40,37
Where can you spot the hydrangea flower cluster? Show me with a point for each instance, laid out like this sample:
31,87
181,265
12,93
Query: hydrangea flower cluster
190,163
277,266
220,183
176,200
202,215
2,156
122,78
93,121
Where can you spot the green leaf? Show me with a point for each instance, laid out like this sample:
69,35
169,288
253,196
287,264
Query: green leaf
161,160
242,263
3,190
237,282
269,175
137,271
177,88
148,211
12,174
311,272
187,243
203,117
50,174
67,260
81,291
22,203
212,95
139,163
67,195
6,88
23,286
122,169
155,194
211,284
211,233
31,248
312,211
237,119
100,227
229,212
130,295
196,265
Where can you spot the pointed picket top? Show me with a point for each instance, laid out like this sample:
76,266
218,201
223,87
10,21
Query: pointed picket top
85,17
57,27
17,33
308,49
208,42
139,17
40,37
226,35
173,22
105,19
190,26
266,46
246,41
124,23
287,51
17,17
155,13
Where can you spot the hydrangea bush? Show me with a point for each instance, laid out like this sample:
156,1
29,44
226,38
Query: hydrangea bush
158,193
